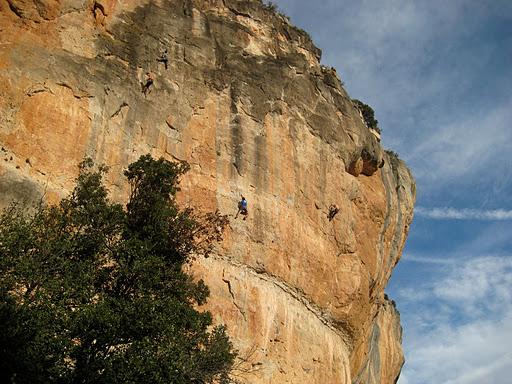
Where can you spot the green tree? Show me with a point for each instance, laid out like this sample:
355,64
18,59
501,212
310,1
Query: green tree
91,292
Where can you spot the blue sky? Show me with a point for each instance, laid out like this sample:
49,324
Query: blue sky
439,77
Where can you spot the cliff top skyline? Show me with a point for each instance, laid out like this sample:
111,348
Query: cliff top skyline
438,76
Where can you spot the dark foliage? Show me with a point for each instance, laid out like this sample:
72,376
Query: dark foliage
91,292
392,155
270,6
368,114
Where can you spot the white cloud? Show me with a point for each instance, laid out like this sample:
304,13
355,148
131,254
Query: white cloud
427,259
467,147
461,331
481,374
463,214
479,287
471,353
413,294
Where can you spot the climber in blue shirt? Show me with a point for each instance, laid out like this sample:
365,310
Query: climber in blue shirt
242,208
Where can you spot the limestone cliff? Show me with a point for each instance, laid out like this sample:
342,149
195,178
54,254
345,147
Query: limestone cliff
245,101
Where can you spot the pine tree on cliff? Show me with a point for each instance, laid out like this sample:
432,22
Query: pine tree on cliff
91,292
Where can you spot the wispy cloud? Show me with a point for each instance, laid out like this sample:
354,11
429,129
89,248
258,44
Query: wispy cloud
427,259
447,213
462,326
481,375
493,239
472,353
479,287
455,151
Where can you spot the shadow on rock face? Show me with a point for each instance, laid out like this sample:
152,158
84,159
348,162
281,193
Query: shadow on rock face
17,189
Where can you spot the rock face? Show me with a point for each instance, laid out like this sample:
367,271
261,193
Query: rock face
245,101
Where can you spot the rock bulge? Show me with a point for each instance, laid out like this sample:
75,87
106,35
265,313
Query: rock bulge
246,102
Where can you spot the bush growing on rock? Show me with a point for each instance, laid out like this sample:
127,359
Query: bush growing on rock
270,6
91,292
393,155
368,114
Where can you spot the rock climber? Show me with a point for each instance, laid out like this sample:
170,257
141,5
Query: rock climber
242,208
146,87
333,210
164,58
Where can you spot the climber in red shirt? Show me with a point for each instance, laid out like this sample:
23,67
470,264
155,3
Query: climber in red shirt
333,210
146,87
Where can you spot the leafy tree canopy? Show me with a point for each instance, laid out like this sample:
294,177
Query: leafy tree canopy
91,292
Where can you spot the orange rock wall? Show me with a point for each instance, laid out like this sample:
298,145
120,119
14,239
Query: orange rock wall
245,101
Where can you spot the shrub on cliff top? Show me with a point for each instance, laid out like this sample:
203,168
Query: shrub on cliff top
91,292
368,114
270,6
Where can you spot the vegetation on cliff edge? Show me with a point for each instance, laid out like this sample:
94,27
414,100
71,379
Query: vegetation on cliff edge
368,114
93,292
